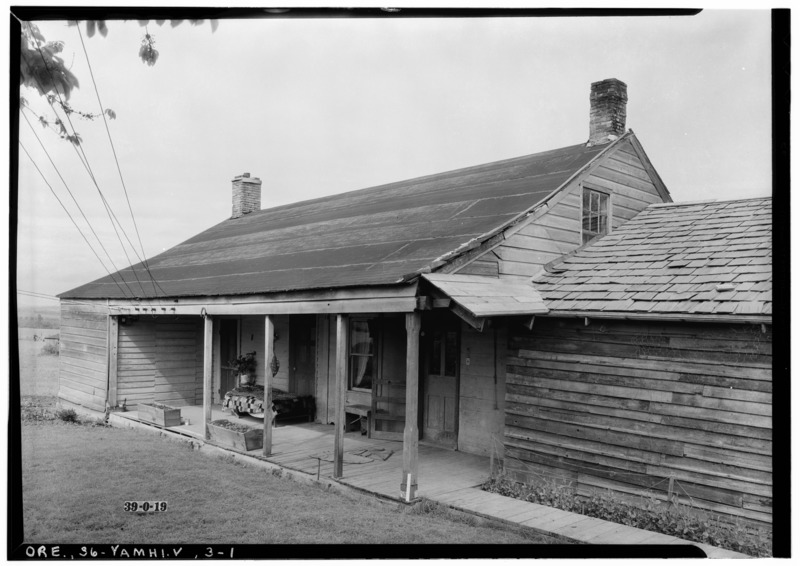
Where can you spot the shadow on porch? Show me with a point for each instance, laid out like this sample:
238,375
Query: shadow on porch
371,465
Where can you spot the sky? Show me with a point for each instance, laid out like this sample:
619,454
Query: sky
321,106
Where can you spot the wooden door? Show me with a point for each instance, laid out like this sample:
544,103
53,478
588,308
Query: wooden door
389,384
440,386
228,350
302,353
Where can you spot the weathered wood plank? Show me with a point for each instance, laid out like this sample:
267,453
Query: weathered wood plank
594,405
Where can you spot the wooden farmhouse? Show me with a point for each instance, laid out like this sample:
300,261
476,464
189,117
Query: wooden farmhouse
553,312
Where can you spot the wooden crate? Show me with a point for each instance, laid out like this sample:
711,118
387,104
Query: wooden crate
245,441
161,416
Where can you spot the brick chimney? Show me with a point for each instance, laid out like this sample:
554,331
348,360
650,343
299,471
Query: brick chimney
246,195
607,111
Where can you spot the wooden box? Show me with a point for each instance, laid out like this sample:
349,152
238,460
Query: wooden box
244,441
160,415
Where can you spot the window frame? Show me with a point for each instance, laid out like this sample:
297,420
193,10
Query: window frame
377,342
585,188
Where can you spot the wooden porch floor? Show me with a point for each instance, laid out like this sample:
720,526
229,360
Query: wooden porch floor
372,465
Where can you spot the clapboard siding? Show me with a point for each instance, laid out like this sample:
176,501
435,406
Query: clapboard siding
83,359
158,360
628,406
481,385
558,231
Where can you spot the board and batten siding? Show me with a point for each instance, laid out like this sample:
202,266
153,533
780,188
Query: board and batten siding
481,399
558,231
252,339
645,408
83,355
160,360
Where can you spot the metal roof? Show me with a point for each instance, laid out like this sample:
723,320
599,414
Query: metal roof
710,260
488,296
372,236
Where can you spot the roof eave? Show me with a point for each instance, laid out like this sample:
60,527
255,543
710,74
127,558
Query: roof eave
653,316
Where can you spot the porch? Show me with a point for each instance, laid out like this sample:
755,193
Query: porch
369,464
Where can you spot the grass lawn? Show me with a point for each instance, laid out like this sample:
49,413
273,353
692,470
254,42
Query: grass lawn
38,371
76,478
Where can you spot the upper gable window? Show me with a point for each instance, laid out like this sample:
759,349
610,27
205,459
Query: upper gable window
594,221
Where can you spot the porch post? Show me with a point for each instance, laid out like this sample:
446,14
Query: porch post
341,388
208,341
269,352
411,432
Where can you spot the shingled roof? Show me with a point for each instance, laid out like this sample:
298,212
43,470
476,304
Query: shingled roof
705,260
373,236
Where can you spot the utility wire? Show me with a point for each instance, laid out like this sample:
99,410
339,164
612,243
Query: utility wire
73,221
107,206
71,301
116,160
99,240
66,186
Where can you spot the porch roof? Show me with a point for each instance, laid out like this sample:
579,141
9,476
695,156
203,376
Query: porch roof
489,296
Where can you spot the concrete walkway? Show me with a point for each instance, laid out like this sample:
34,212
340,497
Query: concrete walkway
562,524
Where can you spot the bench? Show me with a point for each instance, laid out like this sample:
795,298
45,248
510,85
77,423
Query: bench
362,413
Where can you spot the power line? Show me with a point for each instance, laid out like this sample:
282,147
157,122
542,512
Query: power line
75,223
107,206
71,301
116,160
66,186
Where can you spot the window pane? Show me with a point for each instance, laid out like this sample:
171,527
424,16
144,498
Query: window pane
594,218
361,340
435,363
450,354
361,368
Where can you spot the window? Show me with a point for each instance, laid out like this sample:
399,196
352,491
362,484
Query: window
363,345
444,353
595,214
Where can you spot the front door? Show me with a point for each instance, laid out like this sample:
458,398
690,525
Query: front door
440,386
228,350
302,353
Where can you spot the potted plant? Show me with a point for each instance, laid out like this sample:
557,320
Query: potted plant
235,435
244,366
158,414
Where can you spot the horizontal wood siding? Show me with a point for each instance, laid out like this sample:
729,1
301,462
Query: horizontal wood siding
160,360
136,362
488,265
83,359
630,406
177,358
558,231
481,385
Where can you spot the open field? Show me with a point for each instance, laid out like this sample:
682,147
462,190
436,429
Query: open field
38,370
77,478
